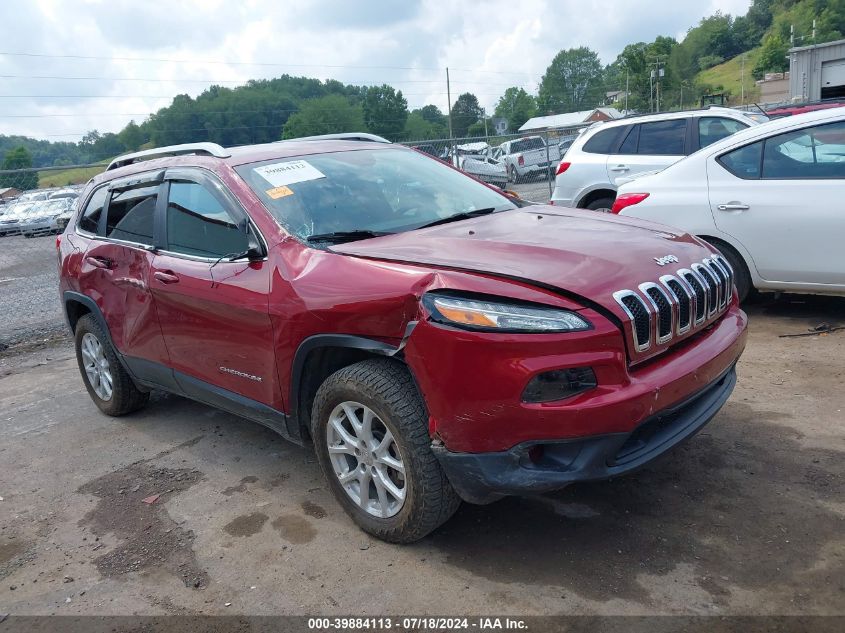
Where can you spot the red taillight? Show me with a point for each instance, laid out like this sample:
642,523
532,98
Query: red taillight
627,200
521,161
58,241
562,167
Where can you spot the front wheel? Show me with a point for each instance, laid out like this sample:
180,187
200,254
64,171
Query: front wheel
370,431
107,382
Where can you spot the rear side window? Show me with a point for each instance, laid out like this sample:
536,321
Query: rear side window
662,138
604,141
90,220
715,128
131,215
527,144
629,145
199,224
744,162
812,153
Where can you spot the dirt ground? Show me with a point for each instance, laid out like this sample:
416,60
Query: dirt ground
746,518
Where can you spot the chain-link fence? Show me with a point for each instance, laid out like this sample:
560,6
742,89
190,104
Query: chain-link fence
35,205
524,163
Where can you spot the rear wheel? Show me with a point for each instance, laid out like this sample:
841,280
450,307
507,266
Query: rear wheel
107,382
604,205
513,177
370,430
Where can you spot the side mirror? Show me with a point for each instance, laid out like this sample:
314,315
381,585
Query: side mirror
254,249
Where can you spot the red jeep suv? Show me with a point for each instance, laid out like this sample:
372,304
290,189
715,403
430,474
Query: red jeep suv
432,338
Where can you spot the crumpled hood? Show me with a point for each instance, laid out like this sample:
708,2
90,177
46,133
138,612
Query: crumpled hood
582,252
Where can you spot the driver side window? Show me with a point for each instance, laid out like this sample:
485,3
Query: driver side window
199,224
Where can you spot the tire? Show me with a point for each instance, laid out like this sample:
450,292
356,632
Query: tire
513,177
742,278
601,204
386,388
125,397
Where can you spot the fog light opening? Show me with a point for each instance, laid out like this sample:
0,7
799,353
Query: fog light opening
535,453
559,384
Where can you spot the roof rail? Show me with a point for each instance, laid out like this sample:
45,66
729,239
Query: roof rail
203,149
343,136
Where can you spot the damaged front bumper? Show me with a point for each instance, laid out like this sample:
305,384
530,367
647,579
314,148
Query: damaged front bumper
542,466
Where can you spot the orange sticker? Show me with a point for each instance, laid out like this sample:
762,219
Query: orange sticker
279,192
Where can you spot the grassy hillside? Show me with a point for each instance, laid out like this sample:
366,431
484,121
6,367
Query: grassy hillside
75,176
726,77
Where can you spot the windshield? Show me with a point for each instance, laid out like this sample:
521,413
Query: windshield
374,190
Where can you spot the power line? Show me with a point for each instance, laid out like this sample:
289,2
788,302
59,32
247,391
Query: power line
239,63
406,94
373,82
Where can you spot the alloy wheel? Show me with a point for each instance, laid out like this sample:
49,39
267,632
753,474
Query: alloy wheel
366,459
96,366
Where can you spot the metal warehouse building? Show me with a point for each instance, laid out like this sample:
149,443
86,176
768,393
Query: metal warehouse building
817,72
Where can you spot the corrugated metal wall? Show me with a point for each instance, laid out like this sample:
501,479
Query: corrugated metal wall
805,68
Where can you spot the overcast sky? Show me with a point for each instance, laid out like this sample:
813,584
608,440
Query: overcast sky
143,52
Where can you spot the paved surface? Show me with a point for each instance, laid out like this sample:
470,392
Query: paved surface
29,303
746,518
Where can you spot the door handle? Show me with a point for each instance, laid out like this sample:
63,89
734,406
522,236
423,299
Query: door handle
620,168
166,277
733,206
99,262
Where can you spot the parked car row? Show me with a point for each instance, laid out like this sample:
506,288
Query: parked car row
38,213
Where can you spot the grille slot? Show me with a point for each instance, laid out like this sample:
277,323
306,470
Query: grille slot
699,293
683,299
640,317
663,307
711,286
714,267
727,274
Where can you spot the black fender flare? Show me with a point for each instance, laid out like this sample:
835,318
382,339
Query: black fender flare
94,310
349,341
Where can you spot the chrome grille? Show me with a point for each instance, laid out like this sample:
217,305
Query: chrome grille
679,303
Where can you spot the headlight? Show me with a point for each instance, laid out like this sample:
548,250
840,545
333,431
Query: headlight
478,314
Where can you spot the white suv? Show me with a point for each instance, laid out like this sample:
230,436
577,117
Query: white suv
608,154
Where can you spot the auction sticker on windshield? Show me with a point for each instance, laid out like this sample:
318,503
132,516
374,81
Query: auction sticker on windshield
289,173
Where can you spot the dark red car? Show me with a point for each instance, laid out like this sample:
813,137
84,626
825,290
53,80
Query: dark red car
434,339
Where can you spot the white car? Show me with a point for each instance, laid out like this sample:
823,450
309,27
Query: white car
608,154
771,199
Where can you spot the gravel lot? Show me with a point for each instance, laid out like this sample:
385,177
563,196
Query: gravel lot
746,518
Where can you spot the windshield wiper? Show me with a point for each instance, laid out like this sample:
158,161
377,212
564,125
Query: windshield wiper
465,215
346,236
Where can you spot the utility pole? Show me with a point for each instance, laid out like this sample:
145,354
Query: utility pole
449,105
627,72
742,79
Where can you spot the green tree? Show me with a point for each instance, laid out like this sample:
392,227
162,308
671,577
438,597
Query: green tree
131,136
772,57
385,111
465,112
325,115
572,82
517,106
432,114
418,128
19,158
